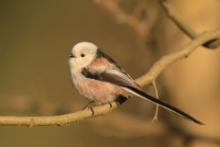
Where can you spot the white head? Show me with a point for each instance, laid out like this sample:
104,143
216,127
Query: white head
82,54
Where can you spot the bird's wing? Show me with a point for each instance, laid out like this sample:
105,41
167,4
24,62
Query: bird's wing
116,77
113,76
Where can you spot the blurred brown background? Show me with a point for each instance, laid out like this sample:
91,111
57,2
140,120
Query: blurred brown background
36,38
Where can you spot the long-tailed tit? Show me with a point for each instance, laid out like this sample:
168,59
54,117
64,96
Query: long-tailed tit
97,77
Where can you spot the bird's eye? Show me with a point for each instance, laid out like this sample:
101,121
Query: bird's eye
82,55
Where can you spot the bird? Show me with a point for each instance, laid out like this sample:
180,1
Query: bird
100,79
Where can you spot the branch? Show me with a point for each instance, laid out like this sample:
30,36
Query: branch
59,119
146,79
131,20
173,15
167,60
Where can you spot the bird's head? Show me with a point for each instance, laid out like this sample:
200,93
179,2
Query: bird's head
82,54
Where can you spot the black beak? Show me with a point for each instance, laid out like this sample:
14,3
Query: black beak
71,56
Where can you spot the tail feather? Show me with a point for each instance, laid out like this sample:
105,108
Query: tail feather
140,93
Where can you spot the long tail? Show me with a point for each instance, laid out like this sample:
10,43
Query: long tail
140,93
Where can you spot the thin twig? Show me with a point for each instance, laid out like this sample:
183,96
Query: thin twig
173,15
146,79
155,117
